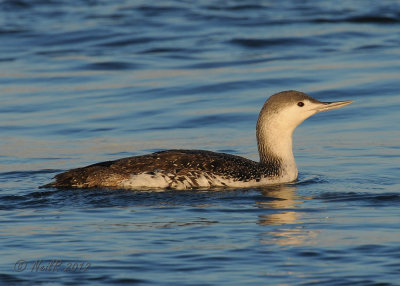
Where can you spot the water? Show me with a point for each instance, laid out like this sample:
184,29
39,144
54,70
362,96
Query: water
87,81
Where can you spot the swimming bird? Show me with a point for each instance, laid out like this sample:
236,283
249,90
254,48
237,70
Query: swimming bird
188,169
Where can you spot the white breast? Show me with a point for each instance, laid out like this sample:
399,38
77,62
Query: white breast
163,180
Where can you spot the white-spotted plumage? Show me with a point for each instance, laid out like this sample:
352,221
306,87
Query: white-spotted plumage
199,180
188,169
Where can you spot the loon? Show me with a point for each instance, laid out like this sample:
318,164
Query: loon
198,169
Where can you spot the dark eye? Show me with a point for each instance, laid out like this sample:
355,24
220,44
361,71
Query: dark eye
301,104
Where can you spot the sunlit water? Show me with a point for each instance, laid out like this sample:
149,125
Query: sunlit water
87,81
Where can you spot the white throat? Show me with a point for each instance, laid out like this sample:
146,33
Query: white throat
274,139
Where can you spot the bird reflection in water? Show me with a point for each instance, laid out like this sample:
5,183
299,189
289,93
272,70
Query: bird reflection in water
284,211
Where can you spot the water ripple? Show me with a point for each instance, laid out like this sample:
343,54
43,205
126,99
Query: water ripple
364,19
110,66
282,42
389,199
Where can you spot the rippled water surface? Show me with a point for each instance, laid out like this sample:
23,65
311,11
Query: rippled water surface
87,81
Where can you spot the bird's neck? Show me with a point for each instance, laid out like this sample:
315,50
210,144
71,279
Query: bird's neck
275,149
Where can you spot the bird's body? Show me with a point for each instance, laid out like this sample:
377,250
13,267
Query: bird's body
187,169
174,169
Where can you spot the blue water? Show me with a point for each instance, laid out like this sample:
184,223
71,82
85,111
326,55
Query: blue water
88,81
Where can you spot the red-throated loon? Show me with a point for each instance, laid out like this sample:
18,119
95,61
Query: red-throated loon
187,169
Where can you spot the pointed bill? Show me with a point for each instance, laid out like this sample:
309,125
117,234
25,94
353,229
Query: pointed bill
332,105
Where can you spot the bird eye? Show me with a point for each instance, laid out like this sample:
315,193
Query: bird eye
301,104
